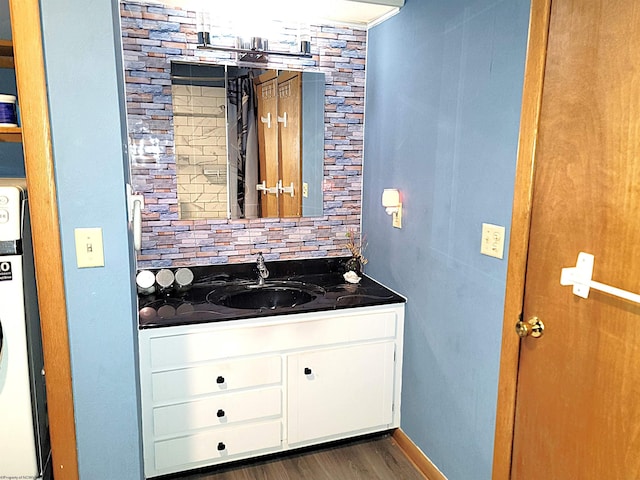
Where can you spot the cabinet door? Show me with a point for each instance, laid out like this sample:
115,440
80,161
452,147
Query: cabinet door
336,391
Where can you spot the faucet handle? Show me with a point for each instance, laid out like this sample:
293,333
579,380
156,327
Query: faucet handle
262,268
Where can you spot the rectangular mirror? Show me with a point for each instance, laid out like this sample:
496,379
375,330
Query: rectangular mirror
249,142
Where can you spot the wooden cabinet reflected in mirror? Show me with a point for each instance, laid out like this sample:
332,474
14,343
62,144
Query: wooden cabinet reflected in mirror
249,142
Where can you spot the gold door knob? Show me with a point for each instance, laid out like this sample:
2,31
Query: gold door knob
532,327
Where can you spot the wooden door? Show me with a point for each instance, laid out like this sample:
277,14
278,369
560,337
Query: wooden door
577,412
38,157
289,134
267,102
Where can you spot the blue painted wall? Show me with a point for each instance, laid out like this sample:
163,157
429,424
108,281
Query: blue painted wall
444,85
84,76
5,20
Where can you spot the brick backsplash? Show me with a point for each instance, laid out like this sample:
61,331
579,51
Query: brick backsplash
153,36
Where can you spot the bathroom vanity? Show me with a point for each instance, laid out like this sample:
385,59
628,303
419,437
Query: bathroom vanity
222,383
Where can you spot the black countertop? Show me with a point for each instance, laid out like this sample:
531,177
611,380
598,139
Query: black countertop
322,278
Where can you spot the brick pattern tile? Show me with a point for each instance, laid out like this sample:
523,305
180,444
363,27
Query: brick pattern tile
153,36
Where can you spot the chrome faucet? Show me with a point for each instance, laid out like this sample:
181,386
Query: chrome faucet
262,269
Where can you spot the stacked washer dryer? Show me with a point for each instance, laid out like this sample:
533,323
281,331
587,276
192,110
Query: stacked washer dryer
24,433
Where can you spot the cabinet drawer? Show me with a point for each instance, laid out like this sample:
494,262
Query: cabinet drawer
184,383
218,410
216,445
185,346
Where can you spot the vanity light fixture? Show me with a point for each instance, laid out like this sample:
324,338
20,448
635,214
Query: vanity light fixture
393,205
252,49
255,50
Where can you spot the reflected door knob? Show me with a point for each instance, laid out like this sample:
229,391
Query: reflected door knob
532,327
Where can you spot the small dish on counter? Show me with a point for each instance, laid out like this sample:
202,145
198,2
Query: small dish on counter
352,277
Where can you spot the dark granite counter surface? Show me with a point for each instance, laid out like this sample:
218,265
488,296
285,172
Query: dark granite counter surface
320,281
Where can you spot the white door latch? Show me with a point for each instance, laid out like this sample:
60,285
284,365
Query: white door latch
581,275
262,187
288,189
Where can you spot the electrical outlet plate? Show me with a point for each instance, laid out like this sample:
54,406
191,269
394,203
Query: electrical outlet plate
492,240
397,217
89,248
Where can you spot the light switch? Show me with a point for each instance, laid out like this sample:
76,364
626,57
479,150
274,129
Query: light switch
89,249
305,189
492,240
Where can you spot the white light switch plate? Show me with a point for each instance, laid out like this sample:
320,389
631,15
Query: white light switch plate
89,249
492,240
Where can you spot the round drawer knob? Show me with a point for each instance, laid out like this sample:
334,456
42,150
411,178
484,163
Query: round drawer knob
220,413
220,379
307,371
221,446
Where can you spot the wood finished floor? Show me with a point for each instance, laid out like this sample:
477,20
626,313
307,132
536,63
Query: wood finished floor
372,458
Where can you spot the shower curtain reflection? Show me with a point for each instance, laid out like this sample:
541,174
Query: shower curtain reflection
243,153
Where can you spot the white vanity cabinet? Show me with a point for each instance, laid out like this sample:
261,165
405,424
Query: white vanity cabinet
341,390
218,392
